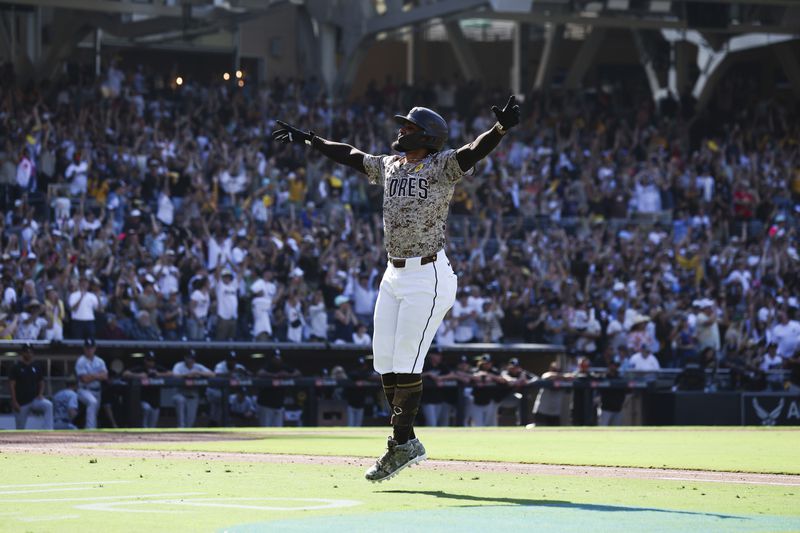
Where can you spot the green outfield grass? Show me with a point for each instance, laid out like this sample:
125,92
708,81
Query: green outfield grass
47,492
765,450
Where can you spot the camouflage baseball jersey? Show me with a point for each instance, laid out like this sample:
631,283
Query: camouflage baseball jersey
416,200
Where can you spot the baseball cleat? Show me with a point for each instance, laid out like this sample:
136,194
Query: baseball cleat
421,453
396,458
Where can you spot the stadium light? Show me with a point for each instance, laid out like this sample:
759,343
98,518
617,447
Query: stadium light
239,74
241,83
179,81
226,76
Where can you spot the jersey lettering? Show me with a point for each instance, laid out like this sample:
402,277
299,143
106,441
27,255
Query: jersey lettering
423,188
410,187
416,200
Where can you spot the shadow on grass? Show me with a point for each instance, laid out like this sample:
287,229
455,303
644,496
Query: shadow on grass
551,503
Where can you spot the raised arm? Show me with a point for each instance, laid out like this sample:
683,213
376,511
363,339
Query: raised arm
340,152
471,153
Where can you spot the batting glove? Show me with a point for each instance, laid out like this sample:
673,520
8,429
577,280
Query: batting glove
289,134
508,117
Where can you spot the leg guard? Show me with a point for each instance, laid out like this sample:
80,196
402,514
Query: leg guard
407,396
389,381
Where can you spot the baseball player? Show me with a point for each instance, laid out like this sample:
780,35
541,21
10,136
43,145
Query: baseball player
187,398
91,371
26,382
150,396
65,405
419,285
224,369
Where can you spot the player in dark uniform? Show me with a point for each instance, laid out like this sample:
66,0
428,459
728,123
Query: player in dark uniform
26,384
419,285
150,395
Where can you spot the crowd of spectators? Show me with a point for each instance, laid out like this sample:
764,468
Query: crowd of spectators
137,209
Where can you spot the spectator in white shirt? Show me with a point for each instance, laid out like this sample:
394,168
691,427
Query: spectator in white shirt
199,303
293,309
363,296
55,314
445,335
706,327
219,249
317,318
227,305
615,331
83,304
166,209
464,319
361,337
262,320
25,172
9,294
266,287
647,196
644,361
77,173
31,322
786,335
772,363
167,274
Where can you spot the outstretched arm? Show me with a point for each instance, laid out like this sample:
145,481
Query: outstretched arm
339,152
473,152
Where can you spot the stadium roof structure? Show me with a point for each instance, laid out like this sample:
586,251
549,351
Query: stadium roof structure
340,31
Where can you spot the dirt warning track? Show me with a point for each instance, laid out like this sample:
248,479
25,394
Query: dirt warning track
105,445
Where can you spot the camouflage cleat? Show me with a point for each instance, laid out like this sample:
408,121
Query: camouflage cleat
421,453
396,458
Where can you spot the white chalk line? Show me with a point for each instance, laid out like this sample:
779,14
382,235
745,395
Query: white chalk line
95,498
225,503
65,489
49,518
742,482
61,484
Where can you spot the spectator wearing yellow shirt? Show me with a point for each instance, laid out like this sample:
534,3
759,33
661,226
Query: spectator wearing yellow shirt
297,190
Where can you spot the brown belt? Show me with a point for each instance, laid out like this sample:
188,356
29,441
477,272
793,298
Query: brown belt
401,263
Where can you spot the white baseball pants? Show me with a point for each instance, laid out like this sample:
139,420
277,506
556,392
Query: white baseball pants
412,302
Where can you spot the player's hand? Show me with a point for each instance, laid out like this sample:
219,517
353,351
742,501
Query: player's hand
15,406
287,133
508,117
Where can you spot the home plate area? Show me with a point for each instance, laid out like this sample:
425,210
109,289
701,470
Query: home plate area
75,500
17,496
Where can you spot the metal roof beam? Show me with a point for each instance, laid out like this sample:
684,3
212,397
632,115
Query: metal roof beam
779,3
104,6
444,8
626,22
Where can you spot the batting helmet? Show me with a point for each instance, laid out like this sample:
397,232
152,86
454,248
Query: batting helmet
433,135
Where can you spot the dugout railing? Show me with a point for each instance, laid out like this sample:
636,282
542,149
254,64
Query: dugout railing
647,391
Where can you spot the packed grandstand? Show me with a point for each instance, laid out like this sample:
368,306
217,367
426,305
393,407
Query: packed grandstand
604,224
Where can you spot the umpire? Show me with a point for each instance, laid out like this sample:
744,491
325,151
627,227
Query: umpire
26,382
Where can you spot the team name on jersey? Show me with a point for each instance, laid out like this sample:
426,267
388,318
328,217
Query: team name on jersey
408,187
